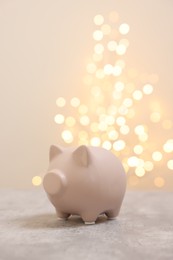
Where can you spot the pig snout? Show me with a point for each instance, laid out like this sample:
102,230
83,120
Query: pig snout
54,182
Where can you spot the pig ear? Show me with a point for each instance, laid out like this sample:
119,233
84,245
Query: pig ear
81,156
54,151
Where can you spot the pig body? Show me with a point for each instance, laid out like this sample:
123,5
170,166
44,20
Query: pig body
86,181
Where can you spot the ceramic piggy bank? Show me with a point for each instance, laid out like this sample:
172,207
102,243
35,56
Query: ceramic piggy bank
87,181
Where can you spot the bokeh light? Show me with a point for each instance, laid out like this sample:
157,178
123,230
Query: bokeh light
117,109
36,180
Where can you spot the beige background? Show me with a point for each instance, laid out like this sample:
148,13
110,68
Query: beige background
43,49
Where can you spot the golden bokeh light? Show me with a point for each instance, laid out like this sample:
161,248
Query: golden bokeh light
121,49
148,89
138,149
99,48
75,102
61,102
36,180
112,45
67,136
170,164
99,19
148,166
107,145
119,145
139,171
59,119
157,156
84,120
95,141
168,146
98,35
124,28
137,95
117,109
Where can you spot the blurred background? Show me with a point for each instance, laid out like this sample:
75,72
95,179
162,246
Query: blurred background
87,72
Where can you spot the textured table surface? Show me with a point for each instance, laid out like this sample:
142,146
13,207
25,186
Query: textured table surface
29,229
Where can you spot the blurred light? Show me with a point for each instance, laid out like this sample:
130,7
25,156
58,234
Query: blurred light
95,141
155,117
67,136
113,135
107,145
120,121
159,182
128,102
84,120
168,146
98,35
60,102
117,70
137,95
148,166
139,171
124,28
59,119
157,156
112,45
36,180
148,89
124,129
99,19
119,86
121,49
91,68
106,29
170,164
143,137
119,145
138,149
98,48
70,121
139,129
75,102
108,69
133,161
123,110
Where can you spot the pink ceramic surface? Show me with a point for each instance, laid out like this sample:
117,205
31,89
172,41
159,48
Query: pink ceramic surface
87,181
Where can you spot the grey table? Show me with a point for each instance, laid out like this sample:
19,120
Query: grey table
29,229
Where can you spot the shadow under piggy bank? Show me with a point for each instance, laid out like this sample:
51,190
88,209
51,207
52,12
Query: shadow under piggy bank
42,221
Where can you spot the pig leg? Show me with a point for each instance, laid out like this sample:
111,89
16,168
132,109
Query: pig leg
62,215
112,214
89,218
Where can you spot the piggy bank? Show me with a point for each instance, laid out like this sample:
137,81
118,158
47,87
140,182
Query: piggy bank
84,181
